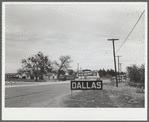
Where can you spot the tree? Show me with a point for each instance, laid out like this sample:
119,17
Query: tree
104,72
101,73
64,63
70,72
142,72
20,71
111,72
135,73
37,65
108,71
62,72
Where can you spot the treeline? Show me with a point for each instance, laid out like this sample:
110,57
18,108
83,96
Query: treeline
108,72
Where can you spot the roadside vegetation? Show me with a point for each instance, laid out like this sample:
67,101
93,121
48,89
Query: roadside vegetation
111,96
39,64
129,93
136,76
109,73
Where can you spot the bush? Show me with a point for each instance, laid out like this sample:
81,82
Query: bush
139,90
136,74
138,85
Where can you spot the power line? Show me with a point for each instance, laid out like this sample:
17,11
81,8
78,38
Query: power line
121,27
131,31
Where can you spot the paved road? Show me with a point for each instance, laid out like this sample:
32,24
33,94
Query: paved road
35,95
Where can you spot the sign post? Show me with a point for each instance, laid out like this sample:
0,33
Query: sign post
85,76
71,94
86,85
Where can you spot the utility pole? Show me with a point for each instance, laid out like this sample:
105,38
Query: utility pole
78,67
118,66
81,72
120,70
114,59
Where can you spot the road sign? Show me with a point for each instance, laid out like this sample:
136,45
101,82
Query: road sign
86,85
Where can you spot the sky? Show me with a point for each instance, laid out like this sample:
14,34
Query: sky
80,30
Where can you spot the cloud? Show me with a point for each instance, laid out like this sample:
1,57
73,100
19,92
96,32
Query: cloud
80,30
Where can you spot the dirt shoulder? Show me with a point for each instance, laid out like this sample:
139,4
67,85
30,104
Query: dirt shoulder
111,96
60,100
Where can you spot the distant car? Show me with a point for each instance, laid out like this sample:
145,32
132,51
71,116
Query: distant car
89,76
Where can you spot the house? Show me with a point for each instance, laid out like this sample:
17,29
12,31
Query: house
50,76
24,76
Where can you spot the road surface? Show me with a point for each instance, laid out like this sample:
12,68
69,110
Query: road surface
35,94
44,94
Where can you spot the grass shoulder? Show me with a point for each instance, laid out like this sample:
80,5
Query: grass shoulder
111,96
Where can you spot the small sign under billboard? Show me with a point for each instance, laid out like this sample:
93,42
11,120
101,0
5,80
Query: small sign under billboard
86,85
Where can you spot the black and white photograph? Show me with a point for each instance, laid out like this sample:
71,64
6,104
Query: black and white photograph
74,60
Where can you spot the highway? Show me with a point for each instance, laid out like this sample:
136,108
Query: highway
35,94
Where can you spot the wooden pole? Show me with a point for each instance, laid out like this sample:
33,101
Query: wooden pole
114,59
120,70
118,67
71,94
